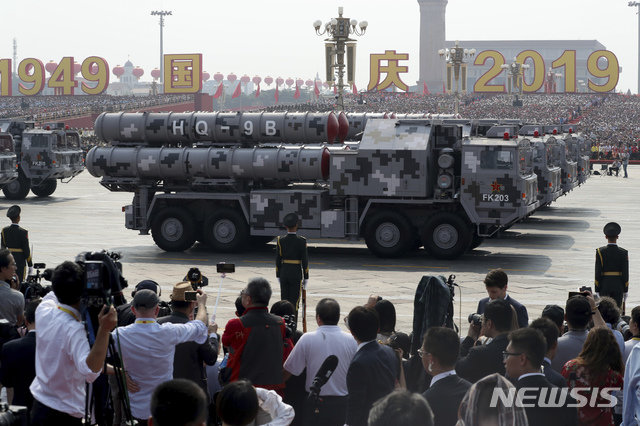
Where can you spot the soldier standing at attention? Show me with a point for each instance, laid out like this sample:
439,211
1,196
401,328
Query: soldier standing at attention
292,264
16,239
612,267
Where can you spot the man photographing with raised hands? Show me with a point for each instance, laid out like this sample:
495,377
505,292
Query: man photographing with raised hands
64,361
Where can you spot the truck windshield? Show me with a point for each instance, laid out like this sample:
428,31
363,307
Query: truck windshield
502,160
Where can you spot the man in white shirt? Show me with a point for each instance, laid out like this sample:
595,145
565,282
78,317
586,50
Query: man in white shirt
147,348
634,327
64,361
311,351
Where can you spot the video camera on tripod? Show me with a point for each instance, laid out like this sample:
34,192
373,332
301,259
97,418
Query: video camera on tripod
102,277
32,287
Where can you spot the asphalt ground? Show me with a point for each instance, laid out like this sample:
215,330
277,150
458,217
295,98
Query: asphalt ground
545,256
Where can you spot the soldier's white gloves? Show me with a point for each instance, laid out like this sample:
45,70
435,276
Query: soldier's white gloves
31,271
597,295
624,296
304,284
279,280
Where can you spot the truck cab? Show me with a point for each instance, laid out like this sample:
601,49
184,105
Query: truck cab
8,160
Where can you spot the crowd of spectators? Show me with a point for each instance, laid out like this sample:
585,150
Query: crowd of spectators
47,108
261,370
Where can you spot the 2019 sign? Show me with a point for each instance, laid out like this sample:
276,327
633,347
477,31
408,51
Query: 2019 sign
567,61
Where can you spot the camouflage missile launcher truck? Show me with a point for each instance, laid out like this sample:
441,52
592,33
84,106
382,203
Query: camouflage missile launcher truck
8,160
407,183
43,155
579,151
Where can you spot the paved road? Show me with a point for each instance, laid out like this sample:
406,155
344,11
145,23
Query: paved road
546,256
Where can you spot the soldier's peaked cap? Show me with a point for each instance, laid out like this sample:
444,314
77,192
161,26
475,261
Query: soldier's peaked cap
612,229
13,212
290,220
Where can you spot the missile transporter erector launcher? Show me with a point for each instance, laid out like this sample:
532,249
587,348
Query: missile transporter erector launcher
8,160
43,156
407,183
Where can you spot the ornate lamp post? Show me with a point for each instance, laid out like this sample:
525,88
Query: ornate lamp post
339,29
455,59
515,71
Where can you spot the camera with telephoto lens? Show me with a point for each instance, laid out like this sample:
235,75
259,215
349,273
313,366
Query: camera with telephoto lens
475,319
32,287
102,278
291,324
13,415
197,280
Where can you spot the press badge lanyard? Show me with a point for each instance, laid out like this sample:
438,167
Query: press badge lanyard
69,312
144,321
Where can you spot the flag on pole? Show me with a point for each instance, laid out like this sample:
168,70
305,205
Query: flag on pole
355,89
276,94
316,90
219,91
297,94
335,89
237,92
444,90
425,89
258,91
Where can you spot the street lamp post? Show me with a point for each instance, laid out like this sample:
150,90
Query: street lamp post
515,71
637,4
339,29
161,14
455,57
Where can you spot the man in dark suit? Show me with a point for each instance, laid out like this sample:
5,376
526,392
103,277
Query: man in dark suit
16,239
374,369
190,358
612,267
292,263
496,283
478,360
550,332
523,359
439,352
18,360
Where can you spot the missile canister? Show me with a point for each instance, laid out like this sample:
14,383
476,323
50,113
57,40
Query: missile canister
181,164
248,128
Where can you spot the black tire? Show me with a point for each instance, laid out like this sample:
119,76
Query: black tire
388,234
173,229
17,189
476,241
46,188
446,235
226,230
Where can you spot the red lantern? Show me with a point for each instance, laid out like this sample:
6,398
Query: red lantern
51,67
155,73
118,71
299,82
137,72
245,79
205,76
279,81
232,77
308,83
268,80
289,81
218,77
256,80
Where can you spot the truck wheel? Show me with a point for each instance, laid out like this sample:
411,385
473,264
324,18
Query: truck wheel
226,230
46,188
446,235
173,229
475,241
388,234
17,189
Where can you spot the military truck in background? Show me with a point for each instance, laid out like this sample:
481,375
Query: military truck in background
409,182
8,160
43,156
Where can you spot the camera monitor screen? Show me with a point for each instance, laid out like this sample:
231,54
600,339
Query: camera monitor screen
92,271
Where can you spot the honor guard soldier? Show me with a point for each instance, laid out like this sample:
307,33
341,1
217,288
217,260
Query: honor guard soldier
16,240
612,267
292,265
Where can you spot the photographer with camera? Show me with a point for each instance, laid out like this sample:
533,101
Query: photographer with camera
64,361
190,357
11,300
147,348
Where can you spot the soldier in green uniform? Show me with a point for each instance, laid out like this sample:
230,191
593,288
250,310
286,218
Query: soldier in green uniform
292,265
612,267
16,240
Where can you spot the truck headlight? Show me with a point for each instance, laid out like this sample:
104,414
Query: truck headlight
445,181
445,161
